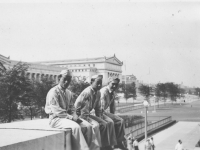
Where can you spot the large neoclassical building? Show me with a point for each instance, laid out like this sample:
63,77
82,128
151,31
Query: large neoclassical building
35,71
85,68
81,68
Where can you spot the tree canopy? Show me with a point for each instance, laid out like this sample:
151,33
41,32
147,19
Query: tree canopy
146,91
14,88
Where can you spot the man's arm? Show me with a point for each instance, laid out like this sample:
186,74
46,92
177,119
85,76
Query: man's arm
81,105
112,107
98,108
102,100
53,105
72,109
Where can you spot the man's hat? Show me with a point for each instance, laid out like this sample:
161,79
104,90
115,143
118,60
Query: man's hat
110,79
66,72
97,76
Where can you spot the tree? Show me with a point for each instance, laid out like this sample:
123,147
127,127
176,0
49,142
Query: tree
131,89
181,92
146,91
161,91
77,86
158,92
197,91
190,92
38,99
173,90
14,87
120,88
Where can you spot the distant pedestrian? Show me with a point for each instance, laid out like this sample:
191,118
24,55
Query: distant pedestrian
135,144
148,145
129,139
179,145
152,143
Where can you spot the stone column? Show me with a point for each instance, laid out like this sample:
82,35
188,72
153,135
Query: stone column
28,75
37,77
42,76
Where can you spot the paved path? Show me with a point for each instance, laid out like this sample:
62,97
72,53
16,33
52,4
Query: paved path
188,132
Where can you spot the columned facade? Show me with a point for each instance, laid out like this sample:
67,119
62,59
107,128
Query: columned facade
80,68
35,71
86,68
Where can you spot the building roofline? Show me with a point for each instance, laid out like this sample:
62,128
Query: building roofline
4,56
37,66
69,60
80,59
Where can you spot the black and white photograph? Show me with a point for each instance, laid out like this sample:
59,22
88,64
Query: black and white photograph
99,74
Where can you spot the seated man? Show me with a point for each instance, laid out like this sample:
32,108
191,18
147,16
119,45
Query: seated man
108,100
58,104
88,100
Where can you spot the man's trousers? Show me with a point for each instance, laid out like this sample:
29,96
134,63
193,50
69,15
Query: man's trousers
106,126
83,135
119,126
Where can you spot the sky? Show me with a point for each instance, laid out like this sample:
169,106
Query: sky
158,41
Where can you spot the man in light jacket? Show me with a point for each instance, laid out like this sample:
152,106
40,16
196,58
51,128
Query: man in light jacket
88,100
60,107
108,103
179,145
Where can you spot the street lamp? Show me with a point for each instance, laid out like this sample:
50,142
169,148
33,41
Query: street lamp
154,104
146,105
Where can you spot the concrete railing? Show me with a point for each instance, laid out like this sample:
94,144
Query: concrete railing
140,129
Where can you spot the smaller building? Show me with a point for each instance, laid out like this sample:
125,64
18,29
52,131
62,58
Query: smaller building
128,79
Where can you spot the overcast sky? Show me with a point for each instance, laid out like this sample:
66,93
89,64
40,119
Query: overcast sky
159,41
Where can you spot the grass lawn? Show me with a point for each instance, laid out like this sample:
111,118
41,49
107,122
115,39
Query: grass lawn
185,112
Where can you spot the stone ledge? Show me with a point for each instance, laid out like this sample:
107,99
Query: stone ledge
33,135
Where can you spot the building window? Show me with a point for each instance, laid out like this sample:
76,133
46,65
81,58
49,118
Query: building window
88,64
93,65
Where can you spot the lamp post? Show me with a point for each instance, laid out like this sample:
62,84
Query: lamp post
146,105
154,103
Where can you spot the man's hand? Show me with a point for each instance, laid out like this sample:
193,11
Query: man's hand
102,113
78,112
75,117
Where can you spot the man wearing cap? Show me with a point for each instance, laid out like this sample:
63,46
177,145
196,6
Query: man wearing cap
108,101
60,107
88,100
